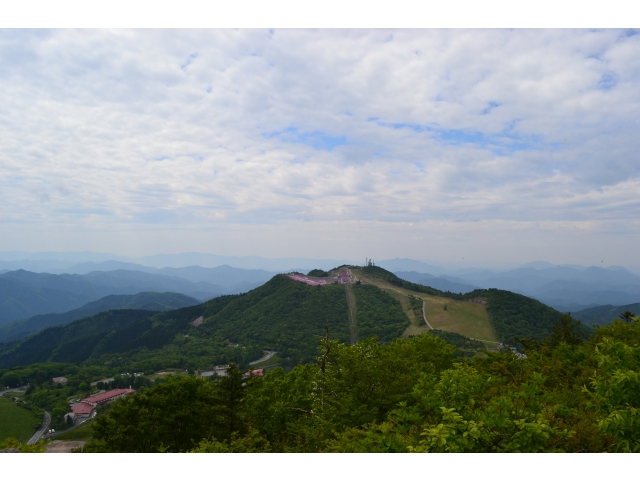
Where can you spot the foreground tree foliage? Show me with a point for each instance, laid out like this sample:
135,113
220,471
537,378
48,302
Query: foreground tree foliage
13,445
411,395
173,416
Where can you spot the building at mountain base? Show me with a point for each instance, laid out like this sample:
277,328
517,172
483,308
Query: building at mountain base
87,407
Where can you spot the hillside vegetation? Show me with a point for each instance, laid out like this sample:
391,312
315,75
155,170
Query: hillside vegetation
410,395
378,313
282,315
465,346
448,313
514,315
511,315
16,421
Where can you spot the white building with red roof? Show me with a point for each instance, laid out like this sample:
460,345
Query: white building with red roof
108,397
82,409
86,408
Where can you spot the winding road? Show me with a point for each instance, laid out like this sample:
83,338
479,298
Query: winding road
46,421
268,355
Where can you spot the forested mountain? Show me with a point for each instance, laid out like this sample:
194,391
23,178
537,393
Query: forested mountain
142,301
516,316
384,390
282,315
512,315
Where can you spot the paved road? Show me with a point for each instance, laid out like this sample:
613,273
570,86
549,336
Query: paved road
46,421
76,425
24,387
263,359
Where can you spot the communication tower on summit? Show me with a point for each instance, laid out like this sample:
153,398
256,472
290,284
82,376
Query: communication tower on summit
368,262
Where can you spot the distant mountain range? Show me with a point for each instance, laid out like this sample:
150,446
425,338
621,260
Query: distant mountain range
24,294
443,282
565,288
60,262
153,301
223,275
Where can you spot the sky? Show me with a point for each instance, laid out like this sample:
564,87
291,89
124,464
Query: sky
434,144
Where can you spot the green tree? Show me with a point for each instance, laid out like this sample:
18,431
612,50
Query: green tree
627,316
566,330
173,417
280,407
616,386
229,393
11,379
368,379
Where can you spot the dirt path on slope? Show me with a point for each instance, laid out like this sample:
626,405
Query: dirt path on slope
424,315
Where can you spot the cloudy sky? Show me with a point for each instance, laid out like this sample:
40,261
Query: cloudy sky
487,145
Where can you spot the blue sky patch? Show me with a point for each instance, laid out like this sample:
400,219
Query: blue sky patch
500,144
491,106
317,140
189,61
607,81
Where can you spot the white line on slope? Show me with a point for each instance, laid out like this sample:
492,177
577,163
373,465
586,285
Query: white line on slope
424,315
427,322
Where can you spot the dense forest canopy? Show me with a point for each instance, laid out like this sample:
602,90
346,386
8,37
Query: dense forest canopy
410,395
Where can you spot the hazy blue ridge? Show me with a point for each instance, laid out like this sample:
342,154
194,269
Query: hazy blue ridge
26,294
154,301
19,300
223,275
439,283
604,314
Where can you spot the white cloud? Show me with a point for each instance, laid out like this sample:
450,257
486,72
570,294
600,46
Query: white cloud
218,130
